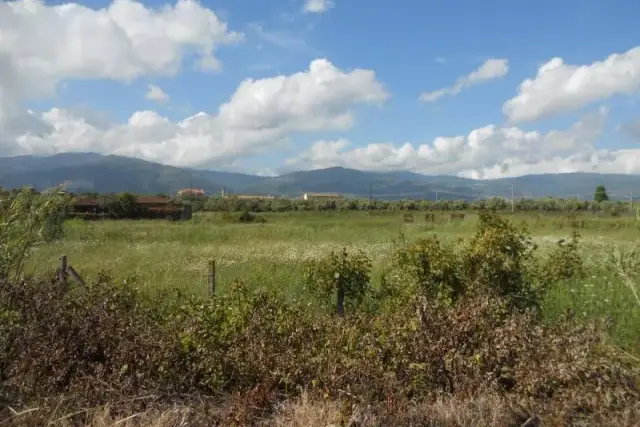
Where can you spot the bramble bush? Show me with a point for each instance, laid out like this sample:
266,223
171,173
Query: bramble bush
103,342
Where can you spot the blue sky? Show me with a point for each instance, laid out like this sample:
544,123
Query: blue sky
411,46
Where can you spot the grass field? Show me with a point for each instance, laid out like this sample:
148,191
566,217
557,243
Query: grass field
158,255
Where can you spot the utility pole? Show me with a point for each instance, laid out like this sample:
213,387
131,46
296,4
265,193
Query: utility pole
436,196
370,197
631,201
512,201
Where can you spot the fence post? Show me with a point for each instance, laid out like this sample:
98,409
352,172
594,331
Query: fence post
62,273
75,275
340,299
212,277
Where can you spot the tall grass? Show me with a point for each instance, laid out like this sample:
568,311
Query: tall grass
159,255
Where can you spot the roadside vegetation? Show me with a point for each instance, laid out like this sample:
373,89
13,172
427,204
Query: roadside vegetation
488,320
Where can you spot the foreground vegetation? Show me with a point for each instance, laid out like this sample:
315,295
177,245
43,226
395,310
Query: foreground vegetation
479,323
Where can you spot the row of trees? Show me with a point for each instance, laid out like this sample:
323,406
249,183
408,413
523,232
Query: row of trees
123,205
231,204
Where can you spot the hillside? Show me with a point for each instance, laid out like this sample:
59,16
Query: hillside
95,172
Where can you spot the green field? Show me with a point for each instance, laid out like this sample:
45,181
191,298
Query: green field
158,255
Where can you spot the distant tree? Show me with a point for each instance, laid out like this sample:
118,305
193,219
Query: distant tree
600,194
123,205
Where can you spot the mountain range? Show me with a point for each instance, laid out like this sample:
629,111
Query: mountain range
81,172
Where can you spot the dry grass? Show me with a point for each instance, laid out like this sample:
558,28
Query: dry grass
485,411
488,410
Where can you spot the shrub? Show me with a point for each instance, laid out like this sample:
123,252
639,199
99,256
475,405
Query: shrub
563,262
24,221
351,271
107,341
61,343
499,258
53,226
432,267
245,217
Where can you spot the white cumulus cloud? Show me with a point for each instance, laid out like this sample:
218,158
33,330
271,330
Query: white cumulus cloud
561,88
260,114
155,93
487,152
123,41
317,6
491,69
42,45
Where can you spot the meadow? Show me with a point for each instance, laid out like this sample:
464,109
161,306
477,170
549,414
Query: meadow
446,334
162,255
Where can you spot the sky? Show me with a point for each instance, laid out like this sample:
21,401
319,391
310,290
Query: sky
484,90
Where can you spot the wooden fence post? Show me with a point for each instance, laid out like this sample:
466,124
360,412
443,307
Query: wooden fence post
62,273
75,275
212,277
340,299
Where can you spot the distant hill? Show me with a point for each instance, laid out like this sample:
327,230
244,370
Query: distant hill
228,180
95,172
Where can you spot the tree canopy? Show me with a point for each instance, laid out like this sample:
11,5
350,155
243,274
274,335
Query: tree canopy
600,194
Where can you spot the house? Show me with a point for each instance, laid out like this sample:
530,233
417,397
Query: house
87,205
145,207
162,207
321,196
196,192
154,201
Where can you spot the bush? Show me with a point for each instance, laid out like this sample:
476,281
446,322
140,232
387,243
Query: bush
351,271
245,217
53,226
27,218
563,262
109,341
499,259
433,267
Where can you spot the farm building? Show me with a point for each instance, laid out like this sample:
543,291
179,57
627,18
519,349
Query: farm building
144,207
321,196
195,192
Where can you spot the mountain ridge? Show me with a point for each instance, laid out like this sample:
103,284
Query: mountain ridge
110,173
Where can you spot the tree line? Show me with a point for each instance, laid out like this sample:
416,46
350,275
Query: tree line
124,204
546,205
